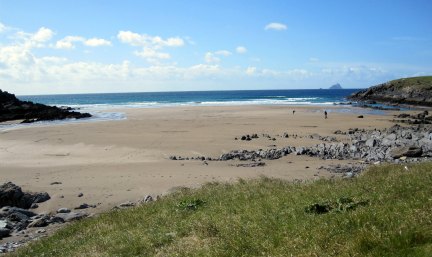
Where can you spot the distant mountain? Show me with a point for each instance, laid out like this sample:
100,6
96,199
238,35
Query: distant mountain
415,90
336,86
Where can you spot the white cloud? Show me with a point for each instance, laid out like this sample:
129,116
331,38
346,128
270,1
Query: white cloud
275,26
94,42
151,54
241,49
223,52
43,35
151,44
250,70
2,27
131,38
210,57
53,59
293,74
353,72
31,40
67,42
173,41
145,40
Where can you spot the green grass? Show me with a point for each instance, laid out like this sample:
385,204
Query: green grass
266,217
424,83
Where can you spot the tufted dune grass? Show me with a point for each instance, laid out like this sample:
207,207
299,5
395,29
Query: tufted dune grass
265,217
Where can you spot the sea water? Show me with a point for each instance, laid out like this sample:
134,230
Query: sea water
194,98
99,105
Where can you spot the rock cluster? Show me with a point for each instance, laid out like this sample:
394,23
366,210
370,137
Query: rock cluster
17,219
371,146
246,155
250,137
13,109
321,138
420,118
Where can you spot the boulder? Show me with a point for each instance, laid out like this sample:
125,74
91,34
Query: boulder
85,206
41,222
126,204
63,210
370,142
6,211
12,195
408,151
4,232
71,216
148,199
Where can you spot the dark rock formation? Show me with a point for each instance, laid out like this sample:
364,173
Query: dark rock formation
12,195
12,108
4,232
420,118
415,91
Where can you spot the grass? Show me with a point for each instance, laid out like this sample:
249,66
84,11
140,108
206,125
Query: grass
424,83
392,216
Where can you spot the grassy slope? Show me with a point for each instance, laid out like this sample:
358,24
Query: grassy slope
415,82
265,217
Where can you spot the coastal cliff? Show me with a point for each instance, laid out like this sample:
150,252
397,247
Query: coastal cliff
415,91
11,108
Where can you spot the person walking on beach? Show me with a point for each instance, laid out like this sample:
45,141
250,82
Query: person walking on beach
293,112
325,114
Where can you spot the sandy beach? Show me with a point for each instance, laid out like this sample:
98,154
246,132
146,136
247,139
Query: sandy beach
111,162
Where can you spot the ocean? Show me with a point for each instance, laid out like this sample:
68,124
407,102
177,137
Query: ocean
101,105
194,98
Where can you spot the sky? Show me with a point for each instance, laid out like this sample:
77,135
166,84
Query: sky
81,46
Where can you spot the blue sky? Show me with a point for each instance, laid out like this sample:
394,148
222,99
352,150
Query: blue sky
125,46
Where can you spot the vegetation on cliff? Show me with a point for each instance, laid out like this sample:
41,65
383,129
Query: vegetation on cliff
415,90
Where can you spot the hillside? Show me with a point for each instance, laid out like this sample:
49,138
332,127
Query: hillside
415,90
384,212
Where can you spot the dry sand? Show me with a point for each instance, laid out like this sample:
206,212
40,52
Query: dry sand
111,162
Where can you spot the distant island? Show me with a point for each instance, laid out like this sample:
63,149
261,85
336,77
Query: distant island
336,86
12,108
414,90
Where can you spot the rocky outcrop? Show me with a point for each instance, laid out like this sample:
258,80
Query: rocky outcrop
12,195
12,108
414,91
387,145
336,86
